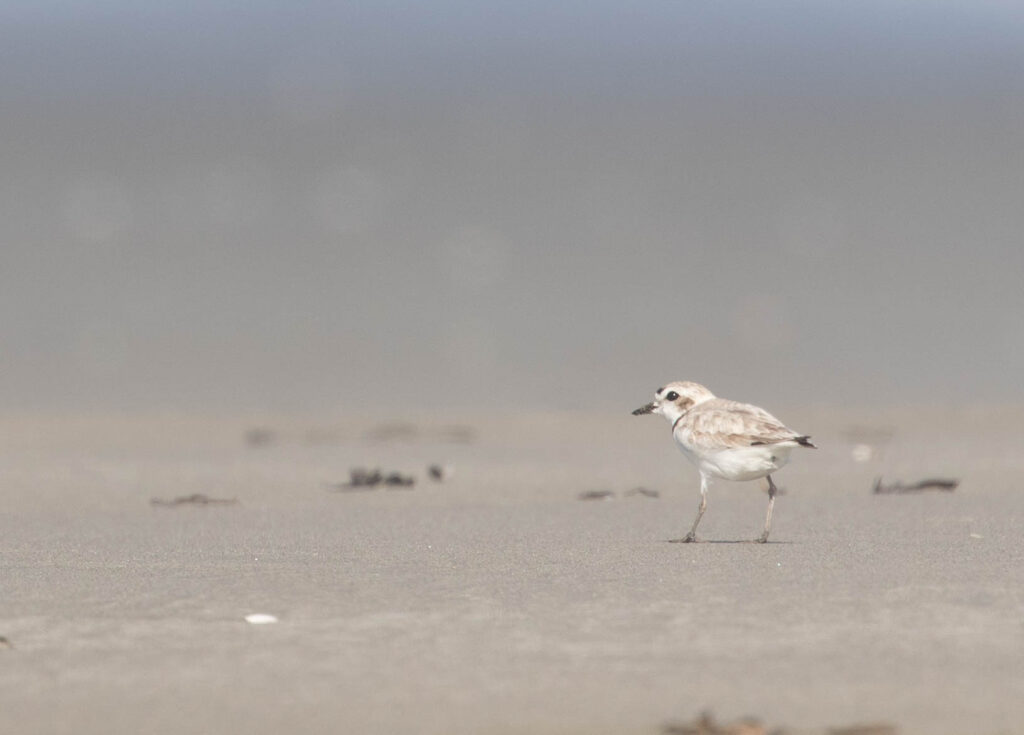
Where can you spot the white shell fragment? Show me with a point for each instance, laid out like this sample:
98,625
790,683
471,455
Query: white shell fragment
260,619
862,453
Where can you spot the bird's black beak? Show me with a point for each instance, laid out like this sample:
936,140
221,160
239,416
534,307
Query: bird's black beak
649,408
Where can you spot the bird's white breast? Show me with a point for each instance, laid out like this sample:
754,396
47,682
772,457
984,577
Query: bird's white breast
739,463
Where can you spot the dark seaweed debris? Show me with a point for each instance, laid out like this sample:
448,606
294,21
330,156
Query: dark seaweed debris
934,483
597,495
705,724
363,479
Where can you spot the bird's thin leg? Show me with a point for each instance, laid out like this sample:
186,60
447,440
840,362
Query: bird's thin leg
692,535
771,504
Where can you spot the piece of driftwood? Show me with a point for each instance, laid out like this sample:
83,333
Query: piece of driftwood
933,483
195,499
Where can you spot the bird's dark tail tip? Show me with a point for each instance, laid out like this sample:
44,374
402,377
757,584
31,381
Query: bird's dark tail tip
805,441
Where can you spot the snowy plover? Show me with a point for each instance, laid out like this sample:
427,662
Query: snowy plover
727,439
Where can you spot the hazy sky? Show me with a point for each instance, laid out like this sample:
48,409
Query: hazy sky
398,206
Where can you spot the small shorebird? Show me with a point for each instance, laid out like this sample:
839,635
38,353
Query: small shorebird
726,439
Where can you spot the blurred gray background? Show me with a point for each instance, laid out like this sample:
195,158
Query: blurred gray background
460,205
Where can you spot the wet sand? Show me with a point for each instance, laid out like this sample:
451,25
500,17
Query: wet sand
497,601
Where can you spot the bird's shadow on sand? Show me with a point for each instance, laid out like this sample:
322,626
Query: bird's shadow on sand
752,542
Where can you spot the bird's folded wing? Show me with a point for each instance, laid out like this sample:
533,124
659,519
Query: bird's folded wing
721,424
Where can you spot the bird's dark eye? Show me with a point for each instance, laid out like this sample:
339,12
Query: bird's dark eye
672,395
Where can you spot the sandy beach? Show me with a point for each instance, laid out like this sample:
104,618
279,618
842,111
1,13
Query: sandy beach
254,254
498,601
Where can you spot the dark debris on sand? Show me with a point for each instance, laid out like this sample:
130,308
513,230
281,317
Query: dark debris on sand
610,494
941,484
876,728
705,724
396,479
195,499
260,436
597,495
643,491
439,473
363,479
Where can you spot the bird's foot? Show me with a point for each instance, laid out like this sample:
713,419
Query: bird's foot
690,538
762,539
